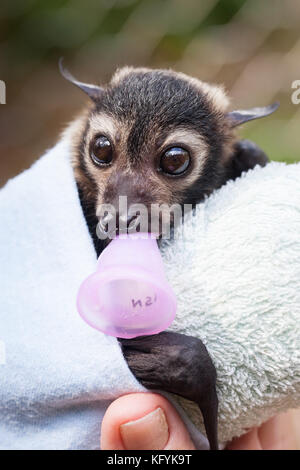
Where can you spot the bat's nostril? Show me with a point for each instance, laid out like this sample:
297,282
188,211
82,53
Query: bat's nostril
128,222
132,220
104,222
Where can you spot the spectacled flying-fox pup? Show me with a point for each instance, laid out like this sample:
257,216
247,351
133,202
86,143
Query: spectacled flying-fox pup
158,136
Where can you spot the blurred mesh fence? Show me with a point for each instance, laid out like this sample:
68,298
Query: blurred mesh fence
250,46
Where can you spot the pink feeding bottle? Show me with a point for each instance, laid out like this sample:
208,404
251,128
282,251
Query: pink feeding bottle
128,295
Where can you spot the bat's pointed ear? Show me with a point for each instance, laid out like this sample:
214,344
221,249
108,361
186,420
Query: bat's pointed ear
240,116
93,91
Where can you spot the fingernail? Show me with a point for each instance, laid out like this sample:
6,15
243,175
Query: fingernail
150,432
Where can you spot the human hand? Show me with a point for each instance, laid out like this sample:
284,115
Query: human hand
278,433
143,421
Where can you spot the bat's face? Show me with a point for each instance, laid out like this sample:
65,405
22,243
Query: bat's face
153,137
156,137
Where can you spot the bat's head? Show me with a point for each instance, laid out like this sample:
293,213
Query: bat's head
156,137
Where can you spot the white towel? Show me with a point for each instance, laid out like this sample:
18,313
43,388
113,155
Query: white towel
236,274
59,375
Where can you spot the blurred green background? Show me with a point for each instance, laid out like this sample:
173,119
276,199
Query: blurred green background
250,46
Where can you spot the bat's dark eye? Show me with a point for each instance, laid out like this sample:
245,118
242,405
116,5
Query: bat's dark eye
175,161
101,151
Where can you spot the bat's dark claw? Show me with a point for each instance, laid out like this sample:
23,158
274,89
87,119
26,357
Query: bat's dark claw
178,364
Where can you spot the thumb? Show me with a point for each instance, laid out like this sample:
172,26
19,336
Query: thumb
143,421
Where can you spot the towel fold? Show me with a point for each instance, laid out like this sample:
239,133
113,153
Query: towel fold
236,275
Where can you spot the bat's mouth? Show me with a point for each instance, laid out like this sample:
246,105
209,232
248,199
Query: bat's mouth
109,226
108,236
